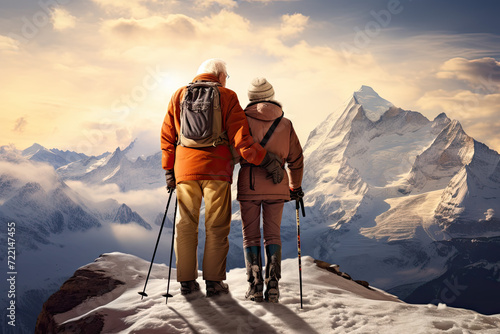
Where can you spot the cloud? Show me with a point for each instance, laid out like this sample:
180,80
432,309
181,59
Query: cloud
20,124
175,26
471,95
480,73
291,25
130,233
178,39
222,3
463,104
62,19
8,44
478,113
111,65
148,203
269,1
135,8
25,171
486,132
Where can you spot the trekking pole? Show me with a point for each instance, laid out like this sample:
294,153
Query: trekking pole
143,293
298,203
171,252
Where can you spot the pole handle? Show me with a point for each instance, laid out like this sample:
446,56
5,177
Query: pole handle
299,203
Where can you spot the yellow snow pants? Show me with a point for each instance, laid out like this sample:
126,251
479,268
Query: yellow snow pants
217,195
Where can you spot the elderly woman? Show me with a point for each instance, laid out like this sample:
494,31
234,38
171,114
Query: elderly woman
257,192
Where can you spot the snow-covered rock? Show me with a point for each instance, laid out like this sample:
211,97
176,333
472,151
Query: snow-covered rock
102,297
125,215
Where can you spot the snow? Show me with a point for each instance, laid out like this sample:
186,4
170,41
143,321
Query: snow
373,105
112,174
331,304
389,157
410,212
98,163
30,151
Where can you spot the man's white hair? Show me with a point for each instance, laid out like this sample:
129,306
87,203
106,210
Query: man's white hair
213,66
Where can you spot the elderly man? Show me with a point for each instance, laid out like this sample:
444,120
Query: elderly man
206,172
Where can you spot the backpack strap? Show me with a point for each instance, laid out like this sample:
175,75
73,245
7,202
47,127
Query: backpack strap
271,130
263,143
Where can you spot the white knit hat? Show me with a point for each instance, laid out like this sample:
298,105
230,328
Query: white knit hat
260,90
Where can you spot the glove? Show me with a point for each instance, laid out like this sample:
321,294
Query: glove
272,164
170,178
296,194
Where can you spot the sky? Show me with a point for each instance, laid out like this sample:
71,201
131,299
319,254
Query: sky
93,75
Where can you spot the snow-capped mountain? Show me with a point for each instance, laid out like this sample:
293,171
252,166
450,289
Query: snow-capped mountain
471,279
401,156
117,168
387,189
125,215
45,208
102,298
54,157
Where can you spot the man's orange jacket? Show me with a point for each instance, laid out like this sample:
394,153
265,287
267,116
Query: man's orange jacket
211,163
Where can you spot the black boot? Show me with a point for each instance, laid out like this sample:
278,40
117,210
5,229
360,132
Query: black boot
253,261
273,273
215,288
188,287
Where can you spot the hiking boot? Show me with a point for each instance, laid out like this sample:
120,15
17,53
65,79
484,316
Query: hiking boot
255,292
273,273
189,286
272,294
253,262
215,288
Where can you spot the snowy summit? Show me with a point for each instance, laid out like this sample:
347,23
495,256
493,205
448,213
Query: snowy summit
374,105
332,304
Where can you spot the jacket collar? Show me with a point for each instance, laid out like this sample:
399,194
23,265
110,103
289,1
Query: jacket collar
206,77
264,110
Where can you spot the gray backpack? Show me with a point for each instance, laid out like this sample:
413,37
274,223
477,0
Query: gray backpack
201,116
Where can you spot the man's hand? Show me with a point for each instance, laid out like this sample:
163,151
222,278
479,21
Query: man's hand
170,178
272,163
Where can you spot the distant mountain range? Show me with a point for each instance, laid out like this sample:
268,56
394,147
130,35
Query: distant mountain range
56,228
108,168
54,157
